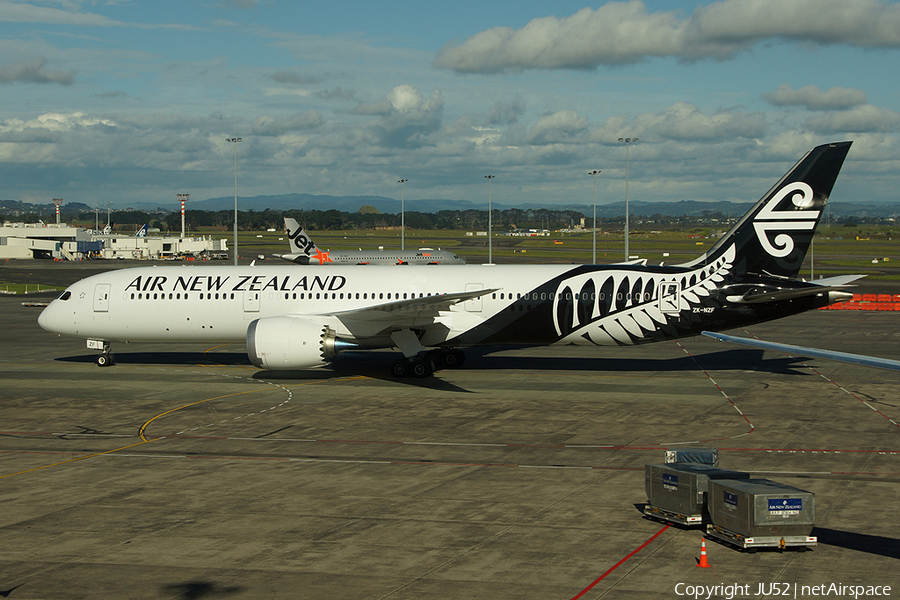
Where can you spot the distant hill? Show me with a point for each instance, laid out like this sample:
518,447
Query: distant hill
381,204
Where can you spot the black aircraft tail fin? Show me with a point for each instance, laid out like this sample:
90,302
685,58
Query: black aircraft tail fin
773,238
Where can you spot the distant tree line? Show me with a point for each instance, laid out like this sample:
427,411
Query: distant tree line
317,220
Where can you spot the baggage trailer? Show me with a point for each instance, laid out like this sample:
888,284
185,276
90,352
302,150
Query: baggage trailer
707,456
676,492
760,513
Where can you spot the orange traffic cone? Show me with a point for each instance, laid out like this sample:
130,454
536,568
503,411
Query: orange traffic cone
703,562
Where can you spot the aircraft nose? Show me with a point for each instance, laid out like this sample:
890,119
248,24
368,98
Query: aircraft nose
45,319
54,318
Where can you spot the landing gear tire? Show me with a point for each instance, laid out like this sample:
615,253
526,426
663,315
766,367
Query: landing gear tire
454,359
105,360
422,367
401,368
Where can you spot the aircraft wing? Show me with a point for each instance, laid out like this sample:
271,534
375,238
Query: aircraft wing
414,308
857,359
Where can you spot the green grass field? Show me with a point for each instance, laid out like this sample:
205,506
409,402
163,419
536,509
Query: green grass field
834,249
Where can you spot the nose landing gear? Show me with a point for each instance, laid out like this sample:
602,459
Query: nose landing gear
105,358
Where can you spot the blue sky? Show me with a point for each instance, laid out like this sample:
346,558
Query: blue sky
127,102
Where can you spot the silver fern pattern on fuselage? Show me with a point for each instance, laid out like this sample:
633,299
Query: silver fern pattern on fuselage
614,308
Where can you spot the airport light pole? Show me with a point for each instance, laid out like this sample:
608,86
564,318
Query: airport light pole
595,172
490,219
402,216
57,202
627,141
235,142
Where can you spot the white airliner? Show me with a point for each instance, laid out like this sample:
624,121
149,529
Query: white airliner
308,254
294,318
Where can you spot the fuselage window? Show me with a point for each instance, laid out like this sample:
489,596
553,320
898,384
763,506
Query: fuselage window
543,296
217,295
132,296
494,296
404,295
619,296
318,295
357,295
389,296
342,295
381,296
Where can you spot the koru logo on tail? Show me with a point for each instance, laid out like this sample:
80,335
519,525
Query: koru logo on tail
773,220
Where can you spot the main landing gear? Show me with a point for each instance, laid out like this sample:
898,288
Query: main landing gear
425,364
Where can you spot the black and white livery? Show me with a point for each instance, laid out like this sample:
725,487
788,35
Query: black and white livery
294,318
305,252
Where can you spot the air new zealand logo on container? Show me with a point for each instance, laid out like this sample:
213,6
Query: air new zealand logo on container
785,507
770,220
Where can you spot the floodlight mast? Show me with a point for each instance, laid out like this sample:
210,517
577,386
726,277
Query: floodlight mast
627,141
595,172
235,141
490,218
402,216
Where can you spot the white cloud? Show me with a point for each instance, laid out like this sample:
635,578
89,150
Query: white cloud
616,33
863,119
564,126
267,125
811,98
624,32
33,71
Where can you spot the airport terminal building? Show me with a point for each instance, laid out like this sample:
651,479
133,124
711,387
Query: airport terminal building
62,242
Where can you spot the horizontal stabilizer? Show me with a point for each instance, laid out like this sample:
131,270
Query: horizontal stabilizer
857,359
837,282
792,294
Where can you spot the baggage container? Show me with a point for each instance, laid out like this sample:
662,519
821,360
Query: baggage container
706,456
676,492
752,513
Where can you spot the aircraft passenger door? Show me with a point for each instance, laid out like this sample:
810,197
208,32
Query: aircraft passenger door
251,302
473,305
101,297
670,297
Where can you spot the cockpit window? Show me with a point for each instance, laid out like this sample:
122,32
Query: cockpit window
65,296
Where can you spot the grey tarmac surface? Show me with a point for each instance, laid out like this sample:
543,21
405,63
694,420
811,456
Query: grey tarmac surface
184,472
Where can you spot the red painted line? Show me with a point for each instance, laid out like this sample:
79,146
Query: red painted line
618,564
